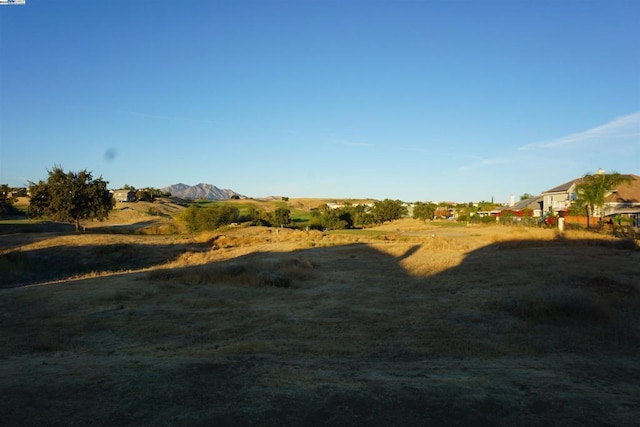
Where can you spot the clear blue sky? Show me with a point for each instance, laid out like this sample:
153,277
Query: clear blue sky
410,100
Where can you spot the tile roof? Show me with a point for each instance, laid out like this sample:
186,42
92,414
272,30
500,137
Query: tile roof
628,192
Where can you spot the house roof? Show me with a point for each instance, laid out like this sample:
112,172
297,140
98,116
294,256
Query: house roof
530,203
564,187
627,192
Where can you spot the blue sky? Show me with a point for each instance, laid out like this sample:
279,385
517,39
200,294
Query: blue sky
410,100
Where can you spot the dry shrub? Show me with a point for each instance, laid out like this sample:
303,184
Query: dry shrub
206,237
523,234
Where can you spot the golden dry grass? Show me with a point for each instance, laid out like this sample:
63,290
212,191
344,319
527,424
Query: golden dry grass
411,324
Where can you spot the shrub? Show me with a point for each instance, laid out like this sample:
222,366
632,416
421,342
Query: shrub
210,218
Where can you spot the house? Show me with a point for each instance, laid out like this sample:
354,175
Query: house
625,200
18,192
622,200
558,199
626,196
124,196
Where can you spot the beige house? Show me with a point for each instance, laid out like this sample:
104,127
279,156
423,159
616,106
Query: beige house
124,196
559,199
622,200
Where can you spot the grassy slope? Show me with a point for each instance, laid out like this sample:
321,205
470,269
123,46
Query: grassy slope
416,324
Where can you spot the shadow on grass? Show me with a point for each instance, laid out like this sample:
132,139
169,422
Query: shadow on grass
520,333
19,268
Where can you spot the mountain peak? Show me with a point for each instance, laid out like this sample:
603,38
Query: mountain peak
200,191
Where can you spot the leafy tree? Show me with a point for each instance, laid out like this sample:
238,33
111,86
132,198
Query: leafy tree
144,195
486,206
526,196
388,210
361,216
593,189
256,216
424,211
70,197
337,219
6,201
281,216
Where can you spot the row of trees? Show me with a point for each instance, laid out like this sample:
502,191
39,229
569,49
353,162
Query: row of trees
350,216
215,216
75,196
357,216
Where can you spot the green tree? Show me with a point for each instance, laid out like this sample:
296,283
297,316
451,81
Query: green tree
209,218
281,216
594,188
6,201
144,195
526,196
337,219
424,211
388,210
70,197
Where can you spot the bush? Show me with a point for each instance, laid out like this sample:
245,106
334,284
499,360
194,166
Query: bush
489,219
210,218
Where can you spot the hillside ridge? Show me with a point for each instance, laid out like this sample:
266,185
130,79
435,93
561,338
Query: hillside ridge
200,191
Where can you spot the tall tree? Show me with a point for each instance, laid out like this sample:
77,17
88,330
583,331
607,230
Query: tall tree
388,210
70,197
424,211
594,188
281,216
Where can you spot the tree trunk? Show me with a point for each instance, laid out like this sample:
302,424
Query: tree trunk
77,224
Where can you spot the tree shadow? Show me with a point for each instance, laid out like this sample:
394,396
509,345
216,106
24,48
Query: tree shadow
14,234
25,267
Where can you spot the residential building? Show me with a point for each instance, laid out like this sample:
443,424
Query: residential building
124,196
622,200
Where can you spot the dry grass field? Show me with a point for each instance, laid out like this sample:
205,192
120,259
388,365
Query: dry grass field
405,324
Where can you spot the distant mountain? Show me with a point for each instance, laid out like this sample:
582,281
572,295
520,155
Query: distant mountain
200,191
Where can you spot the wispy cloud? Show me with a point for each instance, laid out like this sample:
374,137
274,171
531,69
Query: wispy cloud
168,118
621,127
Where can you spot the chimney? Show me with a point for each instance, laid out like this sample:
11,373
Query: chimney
512,200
